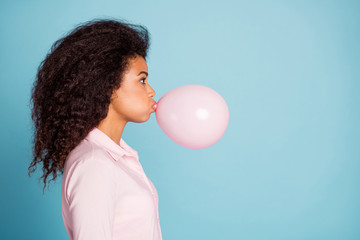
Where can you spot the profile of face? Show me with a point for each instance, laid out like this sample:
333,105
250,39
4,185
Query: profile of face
132,101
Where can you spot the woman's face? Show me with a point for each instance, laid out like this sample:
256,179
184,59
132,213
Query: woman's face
132,101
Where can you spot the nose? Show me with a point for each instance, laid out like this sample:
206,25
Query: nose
151,92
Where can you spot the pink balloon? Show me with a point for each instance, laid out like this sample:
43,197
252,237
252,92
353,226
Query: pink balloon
193,116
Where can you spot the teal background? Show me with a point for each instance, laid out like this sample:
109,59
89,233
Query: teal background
288,164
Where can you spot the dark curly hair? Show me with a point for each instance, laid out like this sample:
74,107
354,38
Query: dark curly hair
74,85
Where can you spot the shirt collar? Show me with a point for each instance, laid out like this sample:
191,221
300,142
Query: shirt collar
116,151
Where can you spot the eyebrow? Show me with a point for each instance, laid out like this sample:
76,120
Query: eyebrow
144,73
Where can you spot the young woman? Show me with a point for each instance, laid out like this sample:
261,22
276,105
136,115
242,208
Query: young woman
94,81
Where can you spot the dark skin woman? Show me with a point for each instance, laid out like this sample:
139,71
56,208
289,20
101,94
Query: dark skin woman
91,84
96,76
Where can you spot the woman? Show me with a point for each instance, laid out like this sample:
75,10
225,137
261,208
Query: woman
89,86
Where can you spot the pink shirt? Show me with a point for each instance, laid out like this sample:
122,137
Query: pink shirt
105,194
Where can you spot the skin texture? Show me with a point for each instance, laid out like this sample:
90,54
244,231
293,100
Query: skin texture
131,102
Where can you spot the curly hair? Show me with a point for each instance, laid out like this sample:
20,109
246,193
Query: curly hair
74,84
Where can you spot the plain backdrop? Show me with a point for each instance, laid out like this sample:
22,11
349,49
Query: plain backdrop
288,164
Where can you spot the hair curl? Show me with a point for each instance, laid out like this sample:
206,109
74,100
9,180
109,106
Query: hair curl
74,85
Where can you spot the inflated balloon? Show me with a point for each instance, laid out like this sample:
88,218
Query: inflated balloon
193,116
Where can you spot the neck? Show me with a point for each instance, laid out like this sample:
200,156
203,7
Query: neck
112,128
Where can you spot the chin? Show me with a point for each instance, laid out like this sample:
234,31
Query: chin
147,118
143,119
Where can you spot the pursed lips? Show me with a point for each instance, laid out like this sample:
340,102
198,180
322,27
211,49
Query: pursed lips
153,105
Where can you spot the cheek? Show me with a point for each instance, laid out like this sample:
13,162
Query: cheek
135,102
136,98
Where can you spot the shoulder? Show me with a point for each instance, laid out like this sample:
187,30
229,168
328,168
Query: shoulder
88,155
89,173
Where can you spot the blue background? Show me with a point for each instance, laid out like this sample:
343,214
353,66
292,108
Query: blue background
288,164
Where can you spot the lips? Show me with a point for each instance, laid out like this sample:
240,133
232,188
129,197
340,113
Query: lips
154,106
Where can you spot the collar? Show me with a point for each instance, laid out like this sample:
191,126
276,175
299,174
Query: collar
116,151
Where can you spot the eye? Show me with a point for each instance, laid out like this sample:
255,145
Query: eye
143,79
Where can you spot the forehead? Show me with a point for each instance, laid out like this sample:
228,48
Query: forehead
137,64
